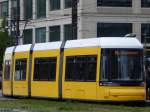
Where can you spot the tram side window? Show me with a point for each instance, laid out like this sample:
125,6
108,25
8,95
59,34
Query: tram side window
7,70
20,69
45,69
148,63
81,68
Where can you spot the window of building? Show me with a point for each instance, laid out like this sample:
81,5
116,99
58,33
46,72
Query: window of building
20,69
54,33
40,35
68,32
41,8
145,33
68,3
45,69
114,3
28,9
14,9
113,29
81,68
27,36
7,70
145,3
54,4
4,9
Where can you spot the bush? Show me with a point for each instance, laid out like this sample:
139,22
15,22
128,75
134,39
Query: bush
5,41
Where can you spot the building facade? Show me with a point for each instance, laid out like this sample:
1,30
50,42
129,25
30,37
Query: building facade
50,20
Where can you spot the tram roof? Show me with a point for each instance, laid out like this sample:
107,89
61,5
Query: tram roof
23,48
105,42
9,50
47,46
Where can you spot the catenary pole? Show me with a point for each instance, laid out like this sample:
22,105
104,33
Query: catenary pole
74,19
17,22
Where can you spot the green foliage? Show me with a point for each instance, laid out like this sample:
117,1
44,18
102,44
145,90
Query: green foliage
38,105
5,41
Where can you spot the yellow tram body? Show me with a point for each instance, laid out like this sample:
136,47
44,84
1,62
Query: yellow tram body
20,87
92,90
61,87
47,89
7,83
80,90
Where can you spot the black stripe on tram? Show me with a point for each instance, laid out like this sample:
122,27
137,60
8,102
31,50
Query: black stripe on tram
61,69
12,69
30,70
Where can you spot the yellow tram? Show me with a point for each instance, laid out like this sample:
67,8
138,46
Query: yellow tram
96,69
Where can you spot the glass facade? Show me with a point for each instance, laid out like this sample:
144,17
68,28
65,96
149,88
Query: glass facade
54,33
40,35
115,3
103,29
27,36
14,9
145,3
3,9
113,29
145,33
68,3
41,8
54,4
27,9
68,32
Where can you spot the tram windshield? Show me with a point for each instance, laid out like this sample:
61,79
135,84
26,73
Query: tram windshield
121,65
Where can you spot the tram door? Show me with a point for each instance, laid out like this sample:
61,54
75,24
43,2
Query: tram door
20,74
7,72
7,77
80,73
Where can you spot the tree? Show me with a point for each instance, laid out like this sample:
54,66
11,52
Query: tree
5,41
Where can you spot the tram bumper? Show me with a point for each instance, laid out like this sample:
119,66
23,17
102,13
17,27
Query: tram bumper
121,94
